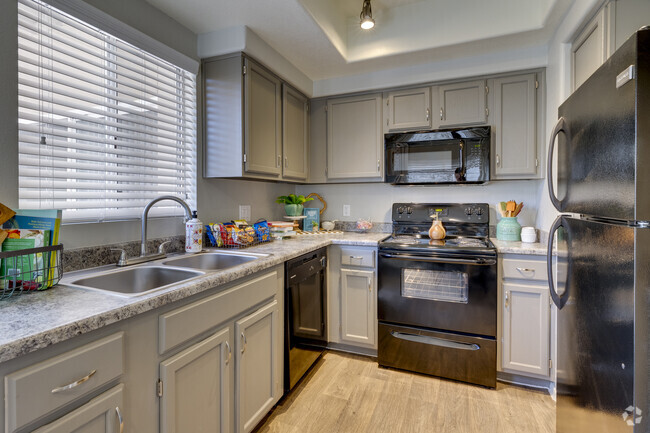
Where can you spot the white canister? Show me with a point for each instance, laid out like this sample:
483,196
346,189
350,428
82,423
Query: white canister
193,235
528,234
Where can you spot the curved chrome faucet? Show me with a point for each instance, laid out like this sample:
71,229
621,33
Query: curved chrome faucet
145,213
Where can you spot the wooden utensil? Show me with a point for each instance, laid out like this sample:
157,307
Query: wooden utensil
502,208
518,209
5,214
510,208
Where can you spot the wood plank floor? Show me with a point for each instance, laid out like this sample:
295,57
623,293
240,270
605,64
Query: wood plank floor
349,393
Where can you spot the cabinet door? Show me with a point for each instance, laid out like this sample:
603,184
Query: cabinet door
295,133
195,385
408,109
462,103
526,328
514,127
358,311
262,120
354,137
591,47
256,356
103,414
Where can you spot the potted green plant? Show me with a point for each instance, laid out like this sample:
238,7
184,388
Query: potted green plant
293,204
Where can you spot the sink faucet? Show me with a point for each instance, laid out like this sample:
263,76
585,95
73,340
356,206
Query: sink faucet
145,213
125,261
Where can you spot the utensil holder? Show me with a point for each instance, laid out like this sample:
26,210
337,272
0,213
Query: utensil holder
509,229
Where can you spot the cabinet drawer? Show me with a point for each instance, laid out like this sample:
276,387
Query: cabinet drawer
37,390
525,269
189,321
358,257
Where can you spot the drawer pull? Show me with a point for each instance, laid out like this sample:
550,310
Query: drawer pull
526,270
119,418
356,257
74,384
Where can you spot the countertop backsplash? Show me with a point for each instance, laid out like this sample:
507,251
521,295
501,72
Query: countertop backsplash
91,257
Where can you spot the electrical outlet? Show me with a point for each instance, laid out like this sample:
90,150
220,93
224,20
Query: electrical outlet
346,210
245,212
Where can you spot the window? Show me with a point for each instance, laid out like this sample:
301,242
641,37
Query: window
104,126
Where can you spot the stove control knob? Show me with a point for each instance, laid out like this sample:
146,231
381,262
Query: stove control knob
400,210
409,210
468,211
478,211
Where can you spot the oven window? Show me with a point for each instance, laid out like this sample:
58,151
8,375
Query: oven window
443,286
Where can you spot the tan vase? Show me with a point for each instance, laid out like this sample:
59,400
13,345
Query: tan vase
437,231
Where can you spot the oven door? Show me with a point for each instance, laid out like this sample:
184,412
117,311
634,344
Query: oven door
453,293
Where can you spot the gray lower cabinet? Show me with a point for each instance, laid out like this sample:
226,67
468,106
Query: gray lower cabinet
358,310
355,142
524,317
407,109
196,394
257,357
102,414
462,103
514,118
352,297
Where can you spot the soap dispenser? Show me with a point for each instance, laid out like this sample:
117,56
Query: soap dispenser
193,234
437,231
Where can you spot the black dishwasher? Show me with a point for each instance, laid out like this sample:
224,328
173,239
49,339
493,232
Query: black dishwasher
305,310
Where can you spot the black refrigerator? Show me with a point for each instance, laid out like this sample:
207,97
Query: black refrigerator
599,248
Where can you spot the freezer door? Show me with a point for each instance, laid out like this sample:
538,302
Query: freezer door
596,144
593,265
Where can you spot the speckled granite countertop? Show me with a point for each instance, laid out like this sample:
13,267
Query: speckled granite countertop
37,320
511,247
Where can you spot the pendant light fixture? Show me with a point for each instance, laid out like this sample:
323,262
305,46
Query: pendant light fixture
366,16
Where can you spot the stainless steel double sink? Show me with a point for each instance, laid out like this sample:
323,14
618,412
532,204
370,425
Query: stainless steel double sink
143,279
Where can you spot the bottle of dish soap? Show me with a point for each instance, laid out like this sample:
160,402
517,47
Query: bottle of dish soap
437,231
193,235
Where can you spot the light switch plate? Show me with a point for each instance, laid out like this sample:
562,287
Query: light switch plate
245,212
346,210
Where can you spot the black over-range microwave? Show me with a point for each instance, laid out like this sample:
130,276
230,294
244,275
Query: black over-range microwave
446,156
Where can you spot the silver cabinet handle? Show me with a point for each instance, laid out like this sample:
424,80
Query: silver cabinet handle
498,160
507,299
229,353
243,338
286,162
74,384
378,166
526,270
441,113
120,418
428,114
279,162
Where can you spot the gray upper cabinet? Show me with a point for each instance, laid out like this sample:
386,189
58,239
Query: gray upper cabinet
196,391
244,126
593,45
407,109
262,120
462,103
103,414
295,133
355,143
514,126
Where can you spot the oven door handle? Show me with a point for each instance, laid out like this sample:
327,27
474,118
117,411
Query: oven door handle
479,262
435,341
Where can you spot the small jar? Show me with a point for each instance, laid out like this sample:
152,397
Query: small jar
509,229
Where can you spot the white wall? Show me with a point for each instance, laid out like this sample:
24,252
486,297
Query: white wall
375,200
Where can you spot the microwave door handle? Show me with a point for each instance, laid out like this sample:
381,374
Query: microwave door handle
460,175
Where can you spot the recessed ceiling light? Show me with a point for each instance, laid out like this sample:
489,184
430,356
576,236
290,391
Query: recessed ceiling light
366,16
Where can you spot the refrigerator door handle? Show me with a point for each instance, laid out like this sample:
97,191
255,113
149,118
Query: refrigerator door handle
560,126
558,300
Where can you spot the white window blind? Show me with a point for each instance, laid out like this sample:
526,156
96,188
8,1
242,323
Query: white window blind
104,127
